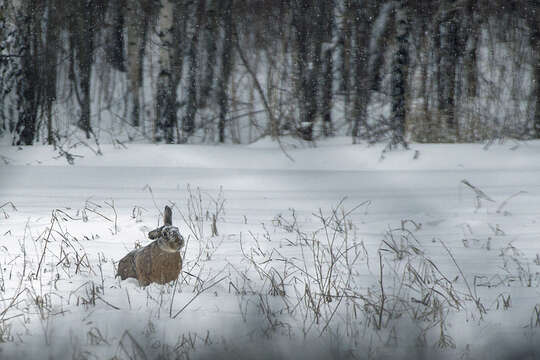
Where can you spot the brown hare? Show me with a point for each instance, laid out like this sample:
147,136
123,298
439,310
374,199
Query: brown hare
158,262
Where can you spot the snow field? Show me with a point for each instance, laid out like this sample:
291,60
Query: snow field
295,267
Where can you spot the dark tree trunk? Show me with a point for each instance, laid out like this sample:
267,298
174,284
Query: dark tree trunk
136,25
50,63
188,125
365,13
327,90
211,41
400,69
226,67
328,69
317,30
85,68
471,58
531,14
86,17
449,59
535,41
85,54
381,41
177,60
438,59
114,46
306,19
361,58
344,46
427,131
300,7
29,83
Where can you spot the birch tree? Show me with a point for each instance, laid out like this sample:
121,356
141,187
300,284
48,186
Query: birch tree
9,66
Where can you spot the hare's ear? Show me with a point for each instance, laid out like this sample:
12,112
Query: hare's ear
167,216
156,233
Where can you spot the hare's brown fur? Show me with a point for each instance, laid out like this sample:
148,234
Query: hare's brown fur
153,264
126,266
158,262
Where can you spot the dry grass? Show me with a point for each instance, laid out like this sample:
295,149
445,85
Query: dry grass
296,278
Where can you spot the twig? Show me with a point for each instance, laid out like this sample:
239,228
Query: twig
383,297
108,303
197,295
503,204
473,296
115,216
479,193
9,203
53,218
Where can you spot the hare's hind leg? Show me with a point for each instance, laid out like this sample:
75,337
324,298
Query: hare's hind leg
144,282
126,267
143,265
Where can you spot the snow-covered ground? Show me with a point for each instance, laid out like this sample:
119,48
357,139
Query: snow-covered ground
291,273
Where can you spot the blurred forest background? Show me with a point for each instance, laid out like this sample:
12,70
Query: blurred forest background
234,71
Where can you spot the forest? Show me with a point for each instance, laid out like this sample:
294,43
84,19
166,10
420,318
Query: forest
235,71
